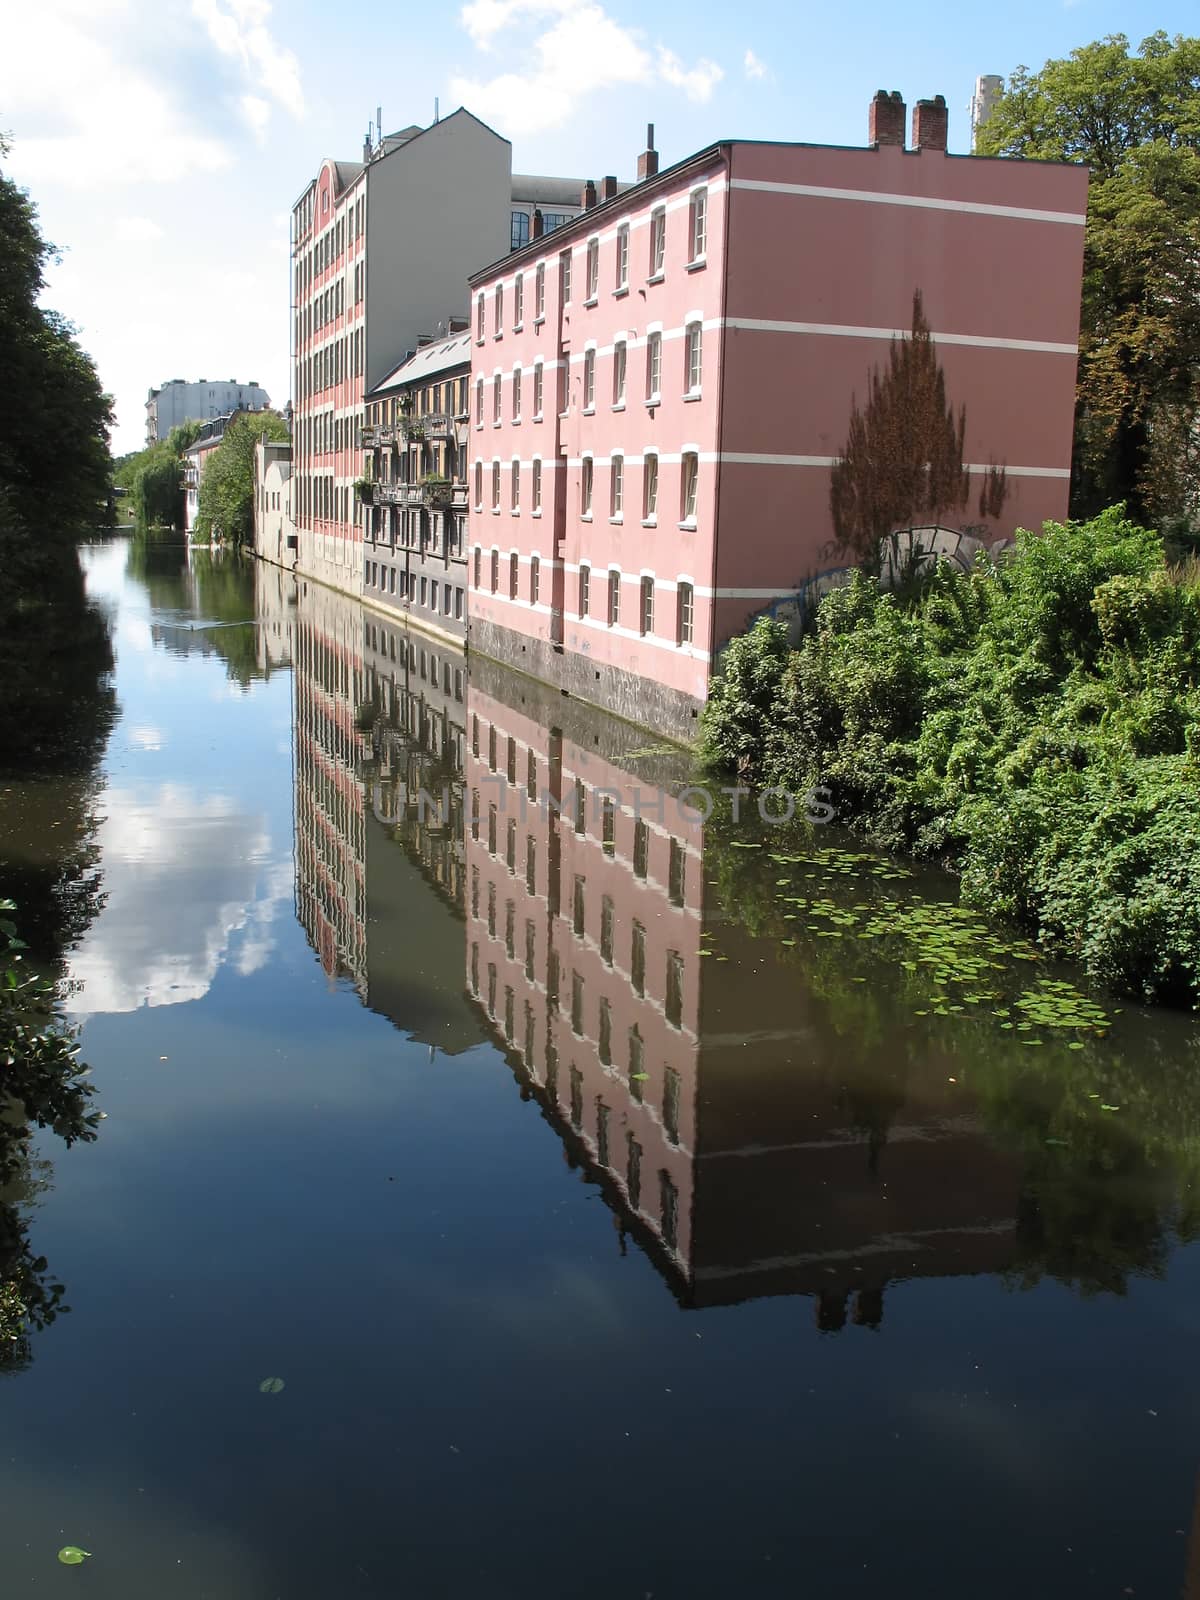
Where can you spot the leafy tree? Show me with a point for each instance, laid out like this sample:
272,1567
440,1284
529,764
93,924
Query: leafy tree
1134,118
902,466
226,508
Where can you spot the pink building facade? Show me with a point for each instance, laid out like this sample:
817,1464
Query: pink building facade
661,388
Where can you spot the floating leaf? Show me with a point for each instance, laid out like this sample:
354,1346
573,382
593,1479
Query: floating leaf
72,1556
270,1386
639,1077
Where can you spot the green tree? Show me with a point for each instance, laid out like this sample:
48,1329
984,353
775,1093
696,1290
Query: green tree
226,508
1134,118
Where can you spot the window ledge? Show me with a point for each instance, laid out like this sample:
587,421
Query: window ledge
536,513
516,422
655,277
518,327
620,291
649,522
697,265
585,516
652,400
536,417
618,519
588,411
498,422
618,405
537,321
592,300
496,512
693,394
688,524
499,335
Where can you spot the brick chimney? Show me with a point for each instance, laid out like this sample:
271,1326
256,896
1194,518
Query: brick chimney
647,166
931,124
886,121
608,189
538,224
588,198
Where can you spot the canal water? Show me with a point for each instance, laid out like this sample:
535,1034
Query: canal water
539,1189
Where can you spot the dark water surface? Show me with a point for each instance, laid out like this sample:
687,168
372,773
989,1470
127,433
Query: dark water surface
627,1210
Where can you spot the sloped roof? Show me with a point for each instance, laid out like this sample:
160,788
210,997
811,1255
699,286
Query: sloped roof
440,356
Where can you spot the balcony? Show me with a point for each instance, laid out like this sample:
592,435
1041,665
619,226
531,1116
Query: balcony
436,493
368,438
438,425
391,494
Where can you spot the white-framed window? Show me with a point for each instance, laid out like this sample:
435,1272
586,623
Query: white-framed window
686,612
496,560
495,486
564,278
698,225
515,501
616,482
646,618
539,376
623,256
689,487
658,241
585,589
693,347
620,350
614,598
589,380
516,394
653,366
514,575
478,503
535,579
518,301
650,487
539,290
479,315
586,480
479,402
478,552
537,485
497,399
593,268
499,311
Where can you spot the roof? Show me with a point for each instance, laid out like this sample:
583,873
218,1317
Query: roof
346,172
546,191
431,359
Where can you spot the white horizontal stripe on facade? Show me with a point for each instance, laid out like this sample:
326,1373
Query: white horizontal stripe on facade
925,202
598,623
749,459
851,331
708,325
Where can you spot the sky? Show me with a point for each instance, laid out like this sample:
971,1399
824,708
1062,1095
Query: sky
164,141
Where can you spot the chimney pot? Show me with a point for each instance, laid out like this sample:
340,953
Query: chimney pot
647,166
931,124
588,198
608,189
886,119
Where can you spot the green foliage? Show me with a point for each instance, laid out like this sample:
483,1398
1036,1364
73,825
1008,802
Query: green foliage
1035,724
226,508
1134,118
153,479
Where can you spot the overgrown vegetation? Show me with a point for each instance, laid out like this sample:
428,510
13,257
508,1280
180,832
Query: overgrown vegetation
226,509
1034,724
153,480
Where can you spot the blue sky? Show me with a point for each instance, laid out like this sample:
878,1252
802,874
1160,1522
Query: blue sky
165,142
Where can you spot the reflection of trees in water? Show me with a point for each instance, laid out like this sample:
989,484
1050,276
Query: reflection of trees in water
206,586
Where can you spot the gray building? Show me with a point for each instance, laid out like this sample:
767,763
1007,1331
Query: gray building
178,401
415,516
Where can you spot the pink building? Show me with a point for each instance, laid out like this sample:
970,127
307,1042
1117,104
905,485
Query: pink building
661,387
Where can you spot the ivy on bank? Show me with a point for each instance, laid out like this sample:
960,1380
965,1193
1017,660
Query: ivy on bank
1035,724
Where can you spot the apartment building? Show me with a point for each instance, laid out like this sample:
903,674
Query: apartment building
661,387
274,528
196,459
179,401
415,492
380,248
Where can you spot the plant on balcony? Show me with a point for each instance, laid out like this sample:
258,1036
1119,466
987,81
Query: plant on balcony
435,489
364,490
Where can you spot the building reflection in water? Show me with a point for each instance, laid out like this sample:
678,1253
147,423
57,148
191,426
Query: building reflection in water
448,820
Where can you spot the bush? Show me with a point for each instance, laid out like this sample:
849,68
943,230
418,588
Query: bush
1034,724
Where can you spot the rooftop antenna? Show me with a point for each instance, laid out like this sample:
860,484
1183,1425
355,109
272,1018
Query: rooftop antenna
436,118
379,122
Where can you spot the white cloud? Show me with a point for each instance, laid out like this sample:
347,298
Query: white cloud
137,230
257,113
584,50
754,68
239,30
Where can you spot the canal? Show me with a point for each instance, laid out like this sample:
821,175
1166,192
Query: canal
542,1189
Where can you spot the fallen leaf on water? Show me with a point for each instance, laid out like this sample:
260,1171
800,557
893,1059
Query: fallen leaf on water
270,1386
72,1556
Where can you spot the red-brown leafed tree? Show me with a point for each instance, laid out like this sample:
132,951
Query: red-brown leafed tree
902,466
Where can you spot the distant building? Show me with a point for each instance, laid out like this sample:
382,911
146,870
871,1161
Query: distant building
274,529
195,463
988,90
661,388
178,401
415,550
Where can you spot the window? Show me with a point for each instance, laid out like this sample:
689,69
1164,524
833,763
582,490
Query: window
604,1038
637,959
633,1171
637,1059
671,1104
653,366
608,827
539,373
531,775
616,481
514,575
673,1002
499,311
515,486
688,487
641,848
497,392
576,1003
650,488
478,552
539,290
479,316
433,593
535,578
564,278
658,243
576,1088
593,269
516,394
676,873
619,363
520,232
479,402
519,301
668,1201
693,345
614,598
537,487
510,861
495,567
698,224
647,618
607,923
531,866
495,486
623,256
589,380
530,949
585,584
603,1154
585,491
687,609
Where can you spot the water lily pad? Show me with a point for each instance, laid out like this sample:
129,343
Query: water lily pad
270,1386
72,1556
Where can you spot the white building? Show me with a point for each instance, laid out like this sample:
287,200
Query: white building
274,529
988,90
178,401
